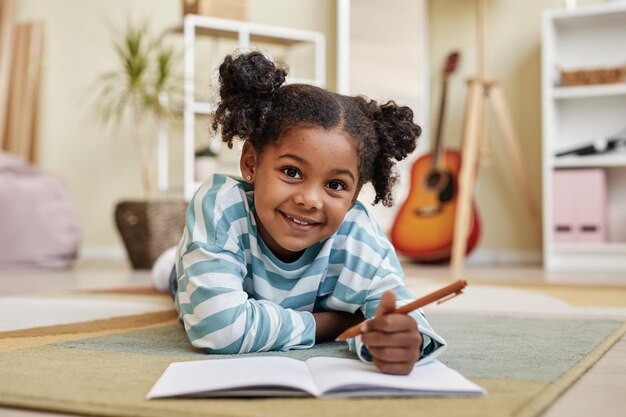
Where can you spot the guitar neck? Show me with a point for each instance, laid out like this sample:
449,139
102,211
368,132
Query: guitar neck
437,149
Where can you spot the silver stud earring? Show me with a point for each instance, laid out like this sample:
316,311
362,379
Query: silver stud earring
248,178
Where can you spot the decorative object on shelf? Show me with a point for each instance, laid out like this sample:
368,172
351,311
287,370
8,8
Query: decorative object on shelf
226,9
146,89
607,75
579,210
205,163
614,143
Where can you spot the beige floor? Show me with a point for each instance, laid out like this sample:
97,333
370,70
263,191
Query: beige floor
600,392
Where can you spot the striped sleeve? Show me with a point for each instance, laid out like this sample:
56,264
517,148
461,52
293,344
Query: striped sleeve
217,314
371,267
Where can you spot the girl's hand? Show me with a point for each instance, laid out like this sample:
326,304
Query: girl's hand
393,340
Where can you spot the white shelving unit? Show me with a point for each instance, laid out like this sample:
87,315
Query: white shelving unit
247,35
593,36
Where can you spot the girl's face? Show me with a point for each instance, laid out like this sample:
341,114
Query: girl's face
303,187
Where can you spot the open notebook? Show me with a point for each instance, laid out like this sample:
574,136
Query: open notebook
272,376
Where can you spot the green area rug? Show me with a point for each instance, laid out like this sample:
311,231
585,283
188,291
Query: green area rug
106,367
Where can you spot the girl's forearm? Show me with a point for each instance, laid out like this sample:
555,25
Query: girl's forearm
330,324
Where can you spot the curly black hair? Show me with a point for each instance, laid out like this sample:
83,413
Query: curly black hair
256,106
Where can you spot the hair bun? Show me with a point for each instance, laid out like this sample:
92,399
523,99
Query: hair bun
247,85
250,74
396,136
395,125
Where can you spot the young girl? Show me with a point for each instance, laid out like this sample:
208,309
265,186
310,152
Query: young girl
287,256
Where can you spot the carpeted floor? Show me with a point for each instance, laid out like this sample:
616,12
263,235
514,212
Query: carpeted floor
106,366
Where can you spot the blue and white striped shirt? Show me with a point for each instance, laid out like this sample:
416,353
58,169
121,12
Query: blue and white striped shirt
235,296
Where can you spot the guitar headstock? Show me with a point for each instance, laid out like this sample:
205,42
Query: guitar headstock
452,62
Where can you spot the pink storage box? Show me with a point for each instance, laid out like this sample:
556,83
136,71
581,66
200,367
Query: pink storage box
579,205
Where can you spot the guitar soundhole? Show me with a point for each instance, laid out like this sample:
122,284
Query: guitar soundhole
442,183
433,180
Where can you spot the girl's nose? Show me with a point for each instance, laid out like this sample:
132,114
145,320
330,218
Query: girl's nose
309,197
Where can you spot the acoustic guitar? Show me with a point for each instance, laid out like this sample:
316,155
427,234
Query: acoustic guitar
424,226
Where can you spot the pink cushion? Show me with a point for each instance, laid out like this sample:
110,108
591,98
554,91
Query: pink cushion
39,225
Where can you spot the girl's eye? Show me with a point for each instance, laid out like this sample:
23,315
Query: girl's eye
291,173
336,186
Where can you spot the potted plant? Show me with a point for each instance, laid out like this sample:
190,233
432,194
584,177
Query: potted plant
205,163
145,88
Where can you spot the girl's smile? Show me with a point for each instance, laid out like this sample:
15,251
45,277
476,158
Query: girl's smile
303,187
300,223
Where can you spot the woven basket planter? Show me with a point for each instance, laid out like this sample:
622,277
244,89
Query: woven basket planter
148,228
593,76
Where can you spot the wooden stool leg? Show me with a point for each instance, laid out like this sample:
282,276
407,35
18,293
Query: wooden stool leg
484,153
472,128
505,123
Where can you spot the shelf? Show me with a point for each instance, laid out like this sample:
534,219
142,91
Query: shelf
615,248
612,160
247,35
209,108
204,107
293,80
588,37
610,256
592,14
231,29
589,91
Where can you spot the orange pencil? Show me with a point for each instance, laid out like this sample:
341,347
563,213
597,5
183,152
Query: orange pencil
442,295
